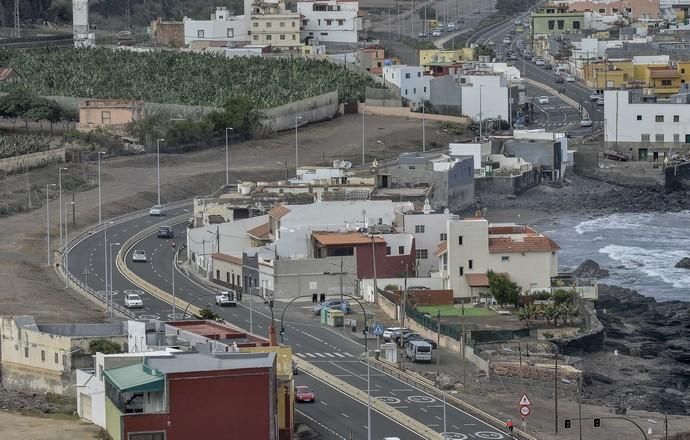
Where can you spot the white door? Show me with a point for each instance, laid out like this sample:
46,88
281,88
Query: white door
85,406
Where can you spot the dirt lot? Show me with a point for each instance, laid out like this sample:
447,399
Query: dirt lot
21,427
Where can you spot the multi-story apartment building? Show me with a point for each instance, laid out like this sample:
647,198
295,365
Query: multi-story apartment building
272,25
330,21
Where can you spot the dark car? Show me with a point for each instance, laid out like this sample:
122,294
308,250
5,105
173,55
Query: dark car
559,79
304,394
417,337
548,67
166,232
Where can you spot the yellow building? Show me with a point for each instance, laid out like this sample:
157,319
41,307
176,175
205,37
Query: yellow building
272,25
429,56
684,69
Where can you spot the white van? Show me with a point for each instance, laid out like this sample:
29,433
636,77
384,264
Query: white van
418,351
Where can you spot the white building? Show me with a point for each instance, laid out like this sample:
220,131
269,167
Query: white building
222,27
80,25
484,96
628,118
334,21
428,229
478,151
413,84
474,247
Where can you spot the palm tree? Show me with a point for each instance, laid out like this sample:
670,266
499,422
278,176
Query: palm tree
551,313
528,314
569,310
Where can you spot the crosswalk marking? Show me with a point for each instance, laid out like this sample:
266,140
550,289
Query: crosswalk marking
339,355
319,355
330,355
324,355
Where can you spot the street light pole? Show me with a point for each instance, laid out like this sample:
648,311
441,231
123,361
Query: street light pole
158,167
67,241
174,266
227,160
368,398
99,187
105,263
480,111
60,170
444,416
364,130
423,125
297,119
48,185
110,253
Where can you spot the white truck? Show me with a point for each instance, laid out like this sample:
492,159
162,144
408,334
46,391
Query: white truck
418,351
226,298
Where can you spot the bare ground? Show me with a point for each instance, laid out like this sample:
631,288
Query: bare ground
14,426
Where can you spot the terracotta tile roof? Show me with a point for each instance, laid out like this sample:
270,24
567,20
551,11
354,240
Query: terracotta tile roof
227,258
441,249
511,229
477,279
326,238
278,211
260,232
529,244
666,73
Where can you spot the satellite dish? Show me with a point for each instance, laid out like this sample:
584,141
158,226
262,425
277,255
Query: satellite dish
347,164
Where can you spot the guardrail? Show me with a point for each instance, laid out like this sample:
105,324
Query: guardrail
429,387
571,102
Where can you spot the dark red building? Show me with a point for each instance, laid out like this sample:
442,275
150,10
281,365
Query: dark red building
193,395
395,253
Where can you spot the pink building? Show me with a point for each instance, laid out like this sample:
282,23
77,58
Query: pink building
634,8
111,114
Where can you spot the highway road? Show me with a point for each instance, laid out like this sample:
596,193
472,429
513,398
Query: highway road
334,415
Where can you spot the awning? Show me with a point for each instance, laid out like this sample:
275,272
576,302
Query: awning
134,379
477,279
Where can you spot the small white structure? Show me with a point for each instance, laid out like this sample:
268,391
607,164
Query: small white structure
80,24
222,27
330,21
413,83
476,150
484,96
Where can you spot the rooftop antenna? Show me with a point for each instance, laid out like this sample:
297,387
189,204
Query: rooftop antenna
16,32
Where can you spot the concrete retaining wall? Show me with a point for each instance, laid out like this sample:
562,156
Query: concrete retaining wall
318,108
33,160
405,112
507,184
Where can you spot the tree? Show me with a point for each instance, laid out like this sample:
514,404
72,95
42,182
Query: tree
563,296
503,289
551,313
104,346
569,311
207,313
528,314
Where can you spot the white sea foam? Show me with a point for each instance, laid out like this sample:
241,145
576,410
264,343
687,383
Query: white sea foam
656,263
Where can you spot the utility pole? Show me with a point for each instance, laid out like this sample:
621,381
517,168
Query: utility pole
16,32
462,344
438,352
402,319
579,401
555,391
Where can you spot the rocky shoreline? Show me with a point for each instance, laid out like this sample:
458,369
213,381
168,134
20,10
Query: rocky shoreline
646,357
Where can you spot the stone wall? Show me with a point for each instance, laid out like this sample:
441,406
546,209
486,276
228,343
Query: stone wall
406,112
33,160
677,177
591,340
507,184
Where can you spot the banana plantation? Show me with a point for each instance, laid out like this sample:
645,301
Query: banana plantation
180,78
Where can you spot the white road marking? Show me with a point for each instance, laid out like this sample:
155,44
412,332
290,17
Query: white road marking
345,415
319,355
329,355
324,403
339,355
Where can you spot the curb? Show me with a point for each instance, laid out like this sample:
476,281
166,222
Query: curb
383,408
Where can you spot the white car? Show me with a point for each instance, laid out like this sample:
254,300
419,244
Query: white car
595,97
226,299
586,123
539,62
422,35
506,40
132,300
543,100
491,43
139,256
157,210
436,33
569,78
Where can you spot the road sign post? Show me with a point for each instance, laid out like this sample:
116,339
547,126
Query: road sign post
525,406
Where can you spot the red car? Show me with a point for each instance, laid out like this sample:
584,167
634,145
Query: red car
304,394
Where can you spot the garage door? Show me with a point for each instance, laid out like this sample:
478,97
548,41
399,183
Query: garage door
85,406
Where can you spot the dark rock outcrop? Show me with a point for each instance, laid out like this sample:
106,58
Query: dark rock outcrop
590,269
684,263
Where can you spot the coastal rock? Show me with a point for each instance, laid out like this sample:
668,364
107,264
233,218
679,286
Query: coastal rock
684,263
590,269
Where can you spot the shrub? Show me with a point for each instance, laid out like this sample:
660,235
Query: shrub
104,346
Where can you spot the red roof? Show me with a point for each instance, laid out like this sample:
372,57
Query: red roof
278,211
541,243
227,258
260,232
477,279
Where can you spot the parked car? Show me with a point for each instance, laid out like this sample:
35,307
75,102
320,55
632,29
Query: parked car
436,33
157,210
585,123
506,40
166,232
422,35
543,99
331,304
491,43
540,62
227,298
417,337
548,66
595,96
513,56
139,256
569,78
599,101
559,79
418,351
304,394
132,301
394,333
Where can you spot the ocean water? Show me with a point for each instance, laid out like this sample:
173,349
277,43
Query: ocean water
639,250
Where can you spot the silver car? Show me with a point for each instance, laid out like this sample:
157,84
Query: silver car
139,256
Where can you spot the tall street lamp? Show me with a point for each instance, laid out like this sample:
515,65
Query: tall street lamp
99,187
110,253
227,160
368,398
48,185
67,241
383,144
364,130
158,167
105,263
423,125
174,266
60,170
297,119
480,111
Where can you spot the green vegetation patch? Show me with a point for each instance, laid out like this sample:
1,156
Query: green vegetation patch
180,78
449,310
16,145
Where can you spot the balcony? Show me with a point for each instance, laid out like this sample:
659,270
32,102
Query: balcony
135,389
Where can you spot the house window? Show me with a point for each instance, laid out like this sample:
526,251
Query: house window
231,33
227,277
576,25
282,24
64,360
602,11
388,250
659,118
419,229
304,22
424,89
324,33
217,274
659,138
676,118
460,240
56,359
461,271
341,22
676,138
200,33
256,24
422,254
505,258
293,24
644,138
470,264
561,24
444,236
379,221
551,24
407,76
639,117
43,355
268,24
666,82
255,37
419,74
406,91
401,250
282,37
414,91
26,352
329,22
294,37
147,436
105,118
269,37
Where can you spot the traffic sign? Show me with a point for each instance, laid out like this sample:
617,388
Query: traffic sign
525,411
378,329
524,401
343,306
